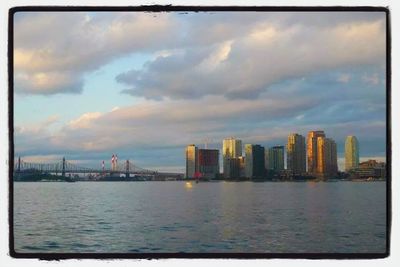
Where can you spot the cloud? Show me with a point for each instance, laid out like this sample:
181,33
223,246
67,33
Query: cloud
372,79
245,66
53,51
229,53
84,121
162,129
344,78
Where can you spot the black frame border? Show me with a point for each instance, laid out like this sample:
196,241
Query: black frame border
172,8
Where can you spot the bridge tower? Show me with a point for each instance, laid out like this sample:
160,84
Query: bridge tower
19,164
63,167
127,169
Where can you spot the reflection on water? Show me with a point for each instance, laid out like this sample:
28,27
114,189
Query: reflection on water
200,217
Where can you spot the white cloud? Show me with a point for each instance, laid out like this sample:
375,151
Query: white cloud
84,121
53,51
242,52
265,54
344,78
372,79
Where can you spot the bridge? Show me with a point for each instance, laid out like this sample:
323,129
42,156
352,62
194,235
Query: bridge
64,167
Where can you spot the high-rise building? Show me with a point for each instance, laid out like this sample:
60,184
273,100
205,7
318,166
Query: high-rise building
352,158
231,149
312,150
242,166
254,162
276,158
266,160
296,153
327,157
208,163
232,168
191,161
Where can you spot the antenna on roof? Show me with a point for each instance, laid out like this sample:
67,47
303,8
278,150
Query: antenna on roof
206,140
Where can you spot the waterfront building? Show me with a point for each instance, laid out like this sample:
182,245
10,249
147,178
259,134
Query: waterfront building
276,158
208,160
327,158
191,161
352,158
312,151
231,149
266,160
242,166
370,169
296,154
232,168
254,163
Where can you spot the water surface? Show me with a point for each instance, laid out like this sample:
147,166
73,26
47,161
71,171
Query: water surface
347,217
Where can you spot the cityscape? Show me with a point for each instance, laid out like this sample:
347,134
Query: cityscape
319,154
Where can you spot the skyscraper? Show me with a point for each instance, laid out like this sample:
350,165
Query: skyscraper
276,158
352,158
231,149
327,157
296,153
208,163
254,161
191,161
312,151
242,166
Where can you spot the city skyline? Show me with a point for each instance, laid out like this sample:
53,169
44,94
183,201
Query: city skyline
84,89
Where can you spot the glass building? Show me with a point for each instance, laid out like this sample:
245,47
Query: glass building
351,153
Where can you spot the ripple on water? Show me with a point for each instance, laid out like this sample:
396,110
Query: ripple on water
52,244
168,228
32,248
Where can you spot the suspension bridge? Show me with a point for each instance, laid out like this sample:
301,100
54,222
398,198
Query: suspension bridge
65,168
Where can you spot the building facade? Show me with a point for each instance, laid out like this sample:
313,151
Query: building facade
192,161
208,160
351,153
327,158
312,150
242,167
276,158
231,149
254,161
296,154
232,168
370,169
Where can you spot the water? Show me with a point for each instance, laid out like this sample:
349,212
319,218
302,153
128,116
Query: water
129,217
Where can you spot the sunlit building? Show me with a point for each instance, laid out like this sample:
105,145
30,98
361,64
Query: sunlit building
242,166
231,149
352,158
327,158
191,161
254,163
296,154
276,158
312,150
208,160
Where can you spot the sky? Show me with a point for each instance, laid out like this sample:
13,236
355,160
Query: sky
145,85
